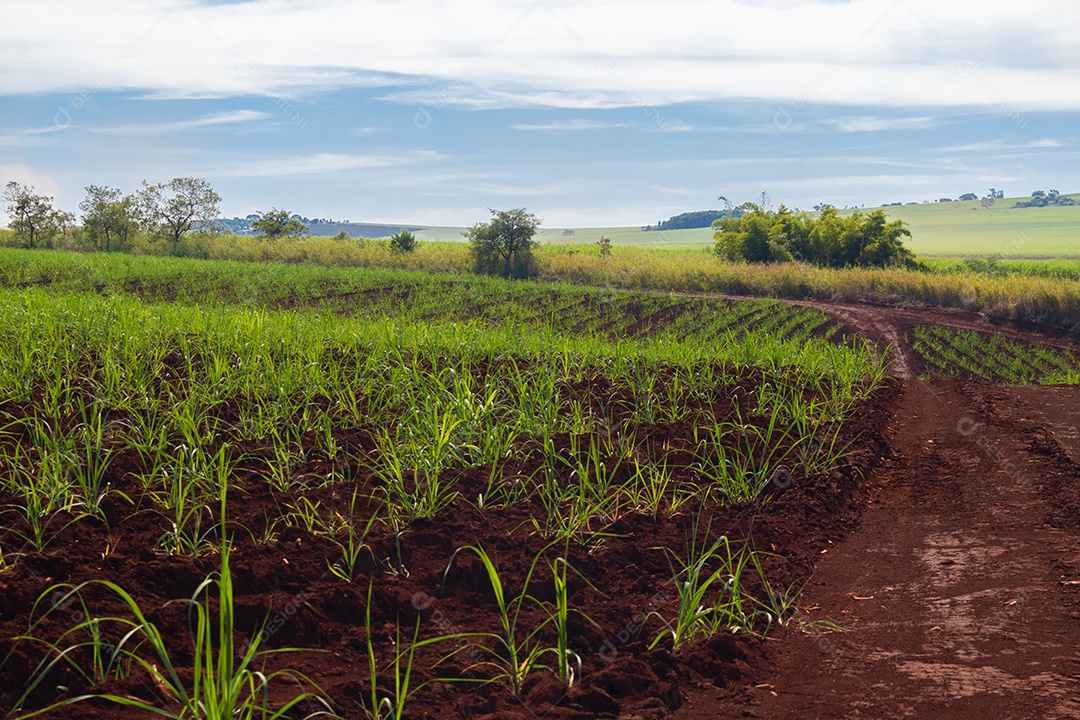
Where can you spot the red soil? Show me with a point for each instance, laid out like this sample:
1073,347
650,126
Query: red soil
947,548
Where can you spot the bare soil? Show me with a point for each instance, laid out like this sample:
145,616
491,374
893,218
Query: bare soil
956,596
940,568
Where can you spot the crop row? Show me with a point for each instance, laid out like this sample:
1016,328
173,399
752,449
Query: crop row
192,393
412,296
352,424
994,358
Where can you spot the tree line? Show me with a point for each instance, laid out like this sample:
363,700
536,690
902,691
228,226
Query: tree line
1041,198
166,211
502,246
170,210
110,218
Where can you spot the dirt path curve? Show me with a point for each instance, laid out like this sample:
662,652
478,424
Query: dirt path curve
959,600
890,325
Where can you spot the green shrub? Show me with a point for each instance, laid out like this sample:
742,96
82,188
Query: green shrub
827,240
403,242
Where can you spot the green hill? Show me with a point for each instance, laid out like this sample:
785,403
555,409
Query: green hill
967,228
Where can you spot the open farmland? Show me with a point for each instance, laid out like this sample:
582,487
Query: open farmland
536,498
939,230
346,447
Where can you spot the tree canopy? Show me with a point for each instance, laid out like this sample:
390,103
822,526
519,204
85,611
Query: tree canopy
695,219
33,215
827,239
275,224
1041,198
176,207
504,245
109,217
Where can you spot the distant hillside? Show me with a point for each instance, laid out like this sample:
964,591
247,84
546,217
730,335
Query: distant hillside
365,230
959,228
695,219
319,227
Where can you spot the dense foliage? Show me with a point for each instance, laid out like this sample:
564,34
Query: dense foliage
1041,198
403,242
109,218
177,207
826,239
274,224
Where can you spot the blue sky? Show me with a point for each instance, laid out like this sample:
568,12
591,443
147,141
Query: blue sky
587,113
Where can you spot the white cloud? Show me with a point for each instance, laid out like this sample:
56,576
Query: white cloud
225,118
676,126
1001,145
675,190
324,163
569,125
29,139
514,53
874,124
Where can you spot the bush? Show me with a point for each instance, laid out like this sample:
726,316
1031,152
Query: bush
828,240
403,242
604,244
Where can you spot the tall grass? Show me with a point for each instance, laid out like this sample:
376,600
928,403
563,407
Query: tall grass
1023,293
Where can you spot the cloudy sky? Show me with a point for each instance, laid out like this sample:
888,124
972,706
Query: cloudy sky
587,112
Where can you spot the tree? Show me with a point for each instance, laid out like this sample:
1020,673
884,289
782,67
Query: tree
33,215
172,209
1040,198
109,217
504,246
403,242
827,240
274,224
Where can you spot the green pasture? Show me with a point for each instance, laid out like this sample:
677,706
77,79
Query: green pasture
953,229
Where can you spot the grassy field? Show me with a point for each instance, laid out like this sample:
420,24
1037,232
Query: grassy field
966,228
1041,292
956,229
631,236
939,230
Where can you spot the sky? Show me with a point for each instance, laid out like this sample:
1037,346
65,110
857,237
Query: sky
585,112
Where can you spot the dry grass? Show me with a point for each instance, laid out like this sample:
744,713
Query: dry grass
1017,298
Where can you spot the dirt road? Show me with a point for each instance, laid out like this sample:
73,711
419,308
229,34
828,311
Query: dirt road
959,591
